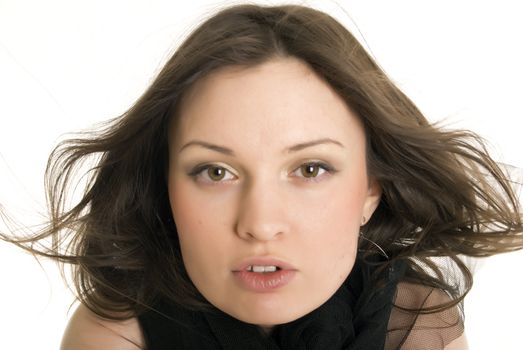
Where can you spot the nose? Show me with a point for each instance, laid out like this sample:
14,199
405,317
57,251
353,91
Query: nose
262,213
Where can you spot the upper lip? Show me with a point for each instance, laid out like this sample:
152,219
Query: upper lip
263,260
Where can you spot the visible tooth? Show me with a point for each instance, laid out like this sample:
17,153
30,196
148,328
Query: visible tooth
259,268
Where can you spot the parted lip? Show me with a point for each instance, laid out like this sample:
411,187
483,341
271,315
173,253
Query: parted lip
262,260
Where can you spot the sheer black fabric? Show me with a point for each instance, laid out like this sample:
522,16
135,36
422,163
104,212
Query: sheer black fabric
355,317
422,331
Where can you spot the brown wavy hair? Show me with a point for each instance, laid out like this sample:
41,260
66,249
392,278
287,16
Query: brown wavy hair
443,195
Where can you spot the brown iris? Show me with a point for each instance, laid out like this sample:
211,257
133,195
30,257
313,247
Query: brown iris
310,169
216,173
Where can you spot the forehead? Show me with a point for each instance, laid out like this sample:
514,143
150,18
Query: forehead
275,103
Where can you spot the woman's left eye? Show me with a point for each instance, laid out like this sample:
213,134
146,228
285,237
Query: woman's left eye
312,169
217,173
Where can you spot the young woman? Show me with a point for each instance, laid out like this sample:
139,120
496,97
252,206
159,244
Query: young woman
273,189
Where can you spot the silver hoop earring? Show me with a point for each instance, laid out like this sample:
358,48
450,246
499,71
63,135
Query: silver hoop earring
375,244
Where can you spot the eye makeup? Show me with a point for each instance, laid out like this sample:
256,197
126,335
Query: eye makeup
196,173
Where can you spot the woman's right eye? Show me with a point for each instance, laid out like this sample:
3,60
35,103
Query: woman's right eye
215,174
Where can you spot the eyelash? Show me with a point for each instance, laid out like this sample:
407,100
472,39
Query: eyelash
199,169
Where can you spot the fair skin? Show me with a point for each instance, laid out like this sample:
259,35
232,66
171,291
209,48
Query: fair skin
263,203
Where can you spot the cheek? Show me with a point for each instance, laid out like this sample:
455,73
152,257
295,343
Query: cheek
334,227
341,224
192,211
200,223
186,216
191,220
340,208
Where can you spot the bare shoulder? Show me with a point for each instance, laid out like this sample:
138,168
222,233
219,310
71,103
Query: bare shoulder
87,330
443,327
458,344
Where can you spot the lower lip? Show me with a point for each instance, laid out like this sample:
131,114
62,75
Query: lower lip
264,282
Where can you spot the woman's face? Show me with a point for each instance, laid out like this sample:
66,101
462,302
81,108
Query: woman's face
263,196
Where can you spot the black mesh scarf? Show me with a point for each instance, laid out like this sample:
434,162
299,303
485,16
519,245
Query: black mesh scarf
355,317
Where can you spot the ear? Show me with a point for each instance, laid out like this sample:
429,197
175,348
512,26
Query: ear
372,199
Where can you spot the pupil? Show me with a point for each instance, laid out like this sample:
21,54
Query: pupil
216,173
311,170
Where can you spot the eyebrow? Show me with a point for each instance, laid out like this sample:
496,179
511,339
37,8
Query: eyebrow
291,149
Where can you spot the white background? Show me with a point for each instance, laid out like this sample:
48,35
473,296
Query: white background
65,65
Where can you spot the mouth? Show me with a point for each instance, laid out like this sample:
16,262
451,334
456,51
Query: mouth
263,265
263,269
264,278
